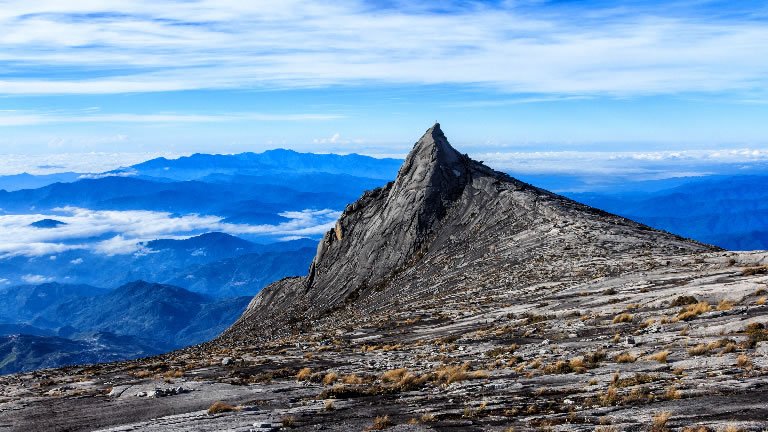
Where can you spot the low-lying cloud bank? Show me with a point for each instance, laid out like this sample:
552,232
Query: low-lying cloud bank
113,232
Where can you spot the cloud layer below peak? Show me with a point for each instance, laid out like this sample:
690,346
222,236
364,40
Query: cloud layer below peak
113,232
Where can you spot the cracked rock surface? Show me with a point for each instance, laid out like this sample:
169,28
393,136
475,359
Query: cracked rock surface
456,299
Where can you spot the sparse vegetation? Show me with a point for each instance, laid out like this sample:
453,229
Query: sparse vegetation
450,374
660,421
288,422
304,374
219,407
380,423
744,362
623,318
693,311
660,356
725,305
330,378
625,357
756,270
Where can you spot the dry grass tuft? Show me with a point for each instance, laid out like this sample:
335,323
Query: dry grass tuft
328,405
304,374
428,418
352,379
699,349
673,393
660,356
174,373
761,301
610,397
751,271
288,422
727,345
692,311
330,378
219,407
660,421
725,305
625,357
744,362
623,318
450,374
380,423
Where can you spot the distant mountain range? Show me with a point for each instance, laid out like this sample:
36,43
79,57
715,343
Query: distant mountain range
215,264
726,211
80,323
94,306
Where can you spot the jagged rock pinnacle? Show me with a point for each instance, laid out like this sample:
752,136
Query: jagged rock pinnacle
445,216
384,229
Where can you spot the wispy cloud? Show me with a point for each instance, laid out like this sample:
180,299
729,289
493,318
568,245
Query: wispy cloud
113,232
653,164
27,118
54,47
92,162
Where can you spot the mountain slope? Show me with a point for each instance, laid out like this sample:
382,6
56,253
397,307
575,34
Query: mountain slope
497,306
445,222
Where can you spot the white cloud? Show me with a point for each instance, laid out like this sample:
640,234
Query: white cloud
76,261
125,231
75,162
170,45
4,281
28,118
35,279
670,163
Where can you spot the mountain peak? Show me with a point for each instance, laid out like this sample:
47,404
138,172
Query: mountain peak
433,149
446,225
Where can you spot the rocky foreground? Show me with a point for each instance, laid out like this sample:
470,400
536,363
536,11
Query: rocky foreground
456,298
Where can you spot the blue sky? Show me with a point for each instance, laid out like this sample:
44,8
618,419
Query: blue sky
528,76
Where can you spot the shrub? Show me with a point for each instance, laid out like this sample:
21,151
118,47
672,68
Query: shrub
761,301
328,405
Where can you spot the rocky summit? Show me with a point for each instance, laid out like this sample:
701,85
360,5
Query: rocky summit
456,298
